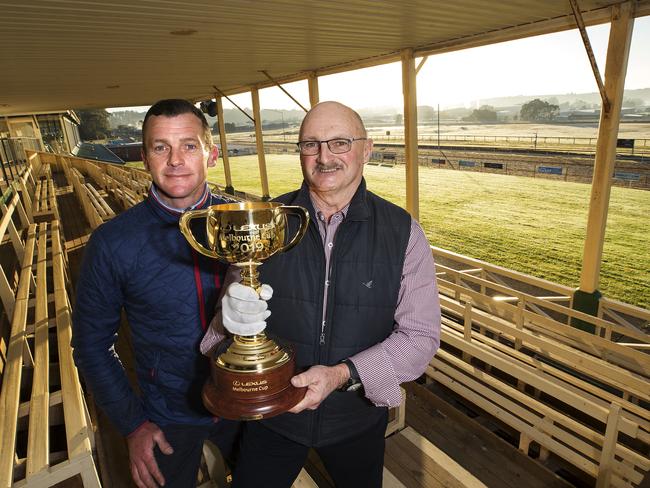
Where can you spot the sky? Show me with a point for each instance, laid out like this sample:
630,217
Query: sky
542,65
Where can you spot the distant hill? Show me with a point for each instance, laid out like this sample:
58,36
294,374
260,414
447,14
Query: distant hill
642,94
386,114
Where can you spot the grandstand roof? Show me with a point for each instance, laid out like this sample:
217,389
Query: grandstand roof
70,54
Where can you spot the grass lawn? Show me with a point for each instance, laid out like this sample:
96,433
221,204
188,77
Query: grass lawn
535,226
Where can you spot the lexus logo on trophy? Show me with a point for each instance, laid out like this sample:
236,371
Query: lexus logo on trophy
250,380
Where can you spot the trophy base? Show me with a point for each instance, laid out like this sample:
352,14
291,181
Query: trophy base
251,380
249,409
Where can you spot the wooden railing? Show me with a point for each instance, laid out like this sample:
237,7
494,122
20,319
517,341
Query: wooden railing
37,314
507,347
616,321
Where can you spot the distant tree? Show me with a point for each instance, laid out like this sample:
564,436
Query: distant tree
94,124
538,110
126,117
580,105
426,113
399,118
126,132
485,113
228,126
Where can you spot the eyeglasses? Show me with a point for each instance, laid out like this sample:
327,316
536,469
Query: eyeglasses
336,146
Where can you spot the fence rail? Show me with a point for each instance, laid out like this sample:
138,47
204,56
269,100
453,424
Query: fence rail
533,141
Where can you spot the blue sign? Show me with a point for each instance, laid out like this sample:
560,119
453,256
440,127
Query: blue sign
619,175
467,163
550,170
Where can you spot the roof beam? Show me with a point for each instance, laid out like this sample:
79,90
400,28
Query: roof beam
238,107
590,52
563,23
420,64
283,90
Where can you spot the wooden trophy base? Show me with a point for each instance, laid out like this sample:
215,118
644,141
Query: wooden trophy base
251,395
237,409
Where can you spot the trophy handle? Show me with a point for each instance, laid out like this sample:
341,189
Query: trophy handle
184,224
303,215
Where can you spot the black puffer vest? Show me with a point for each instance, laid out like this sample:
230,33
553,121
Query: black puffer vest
365,271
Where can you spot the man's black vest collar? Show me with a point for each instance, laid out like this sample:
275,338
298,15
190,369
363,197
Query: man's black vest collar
358,206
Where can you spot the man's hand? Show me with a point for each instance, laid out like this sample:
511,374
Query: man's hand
320,382
243,311
144,467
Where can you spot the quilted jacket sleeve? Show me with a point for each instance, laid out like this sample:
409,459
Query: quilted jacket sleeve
96,320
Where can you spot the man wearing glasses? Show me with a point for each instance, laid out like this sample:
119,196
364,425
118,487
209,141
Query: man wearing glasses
357,298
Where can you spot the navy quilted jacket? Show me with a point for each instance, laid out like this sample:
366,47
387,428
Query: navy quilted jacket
140,262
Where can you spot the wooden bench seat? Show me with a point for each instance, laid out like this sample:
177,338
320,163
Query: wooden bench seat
587,411
130,179
623,368
45,206
31,455
14,217
103,209
122,189
411,460
126,197
547,316
93,204
78,175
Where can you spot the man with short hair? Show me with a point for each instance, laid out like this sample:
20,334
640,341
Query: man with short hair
140,262
357,298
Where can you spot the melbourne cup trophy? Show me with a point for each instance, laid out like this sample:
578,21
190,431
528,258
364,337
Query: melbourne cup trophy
250,379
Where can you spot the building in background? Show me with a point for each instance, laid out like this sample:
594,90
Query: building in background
53,131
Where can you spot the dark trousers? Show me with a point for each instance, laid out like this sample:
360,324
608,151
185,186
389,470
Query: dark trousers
181,468
270,460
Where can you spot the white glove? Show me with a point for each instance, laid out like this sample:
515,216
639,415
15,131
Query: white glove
243,311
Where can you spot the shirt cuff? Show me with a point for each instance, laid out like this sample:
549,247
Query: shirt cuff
378,377
212,336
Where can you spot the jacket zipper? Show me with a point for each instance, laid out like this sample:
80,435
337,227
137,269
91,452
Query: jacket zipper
321,341
329,288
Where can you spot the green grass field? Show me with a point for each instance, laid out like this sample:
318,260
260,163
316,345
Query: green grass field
535,226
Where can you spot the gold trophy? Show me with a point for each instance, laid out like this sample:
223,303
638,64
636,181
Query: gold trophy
251,379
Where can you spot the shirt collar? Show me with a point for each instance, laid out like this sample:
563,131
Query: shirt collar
204,196
321,216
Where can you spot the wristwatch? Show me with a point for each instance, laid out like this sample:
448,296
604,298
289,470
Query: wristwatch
354,382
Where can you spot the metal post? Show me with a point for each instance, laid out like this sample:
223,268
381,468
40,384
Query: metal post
438,126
